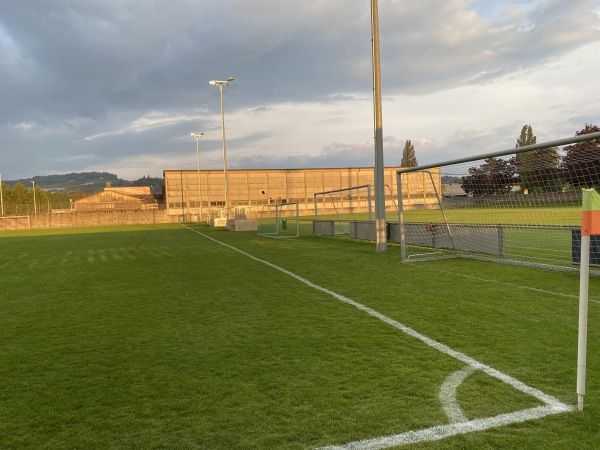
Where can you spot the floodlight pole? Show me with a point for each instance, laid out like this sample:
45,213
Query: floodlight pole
381,234
197,136
220,84
34,205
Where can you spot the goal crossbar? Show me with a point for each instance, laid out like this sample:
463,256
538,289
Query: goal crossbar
511,151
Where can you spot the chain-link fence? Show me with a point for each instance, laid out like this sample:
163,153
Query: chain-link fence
25,209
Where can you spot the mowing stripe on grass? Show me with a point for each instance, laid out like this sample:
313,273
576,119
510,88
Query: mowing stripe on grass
553,405
504,283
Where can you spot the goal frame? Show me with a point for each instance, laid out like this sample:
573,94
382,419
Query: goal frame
438,166
279,218
14,218
339,221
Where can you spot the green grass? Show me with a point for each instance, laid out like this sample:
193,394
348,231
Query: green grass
156,337
544,244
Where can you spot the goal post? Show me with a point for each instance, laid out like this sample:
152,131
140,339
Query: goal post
279,220
521,205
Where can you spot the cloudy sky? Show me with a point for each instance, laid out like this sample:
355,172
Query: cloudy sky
119,85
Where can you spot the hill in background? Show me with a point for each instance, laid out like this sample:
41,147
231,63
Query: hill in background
88,182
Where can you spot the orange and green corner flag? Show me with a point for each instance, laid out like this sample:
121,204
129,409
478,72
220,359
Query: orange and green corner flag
590,213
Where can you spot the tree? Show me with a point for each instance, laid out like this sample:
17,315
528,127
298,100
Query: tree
494,176
538,170
525,161
409,158
19,194
526,138
581,162
79,193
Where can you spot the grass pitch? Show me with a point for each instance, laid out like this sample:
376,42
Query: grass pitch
161,337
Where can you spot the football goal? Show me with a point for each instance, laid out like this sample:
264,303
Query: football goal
279,220
15,223
334,210
520,205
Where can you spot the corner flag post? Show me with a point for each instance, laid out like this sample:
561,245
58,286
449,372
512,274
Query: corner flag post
590,226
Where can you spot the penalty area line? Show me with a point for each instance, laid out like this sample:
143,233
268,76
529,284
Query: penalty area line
553,405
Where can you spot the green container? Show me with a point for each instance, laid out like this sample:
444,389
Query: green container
284,224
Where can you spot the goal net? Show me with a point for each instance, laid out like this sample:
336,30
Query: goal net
520,205
280,220
334,210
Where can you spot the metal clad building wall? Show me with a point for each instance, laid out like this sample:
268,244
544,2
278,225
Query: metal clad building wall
257,187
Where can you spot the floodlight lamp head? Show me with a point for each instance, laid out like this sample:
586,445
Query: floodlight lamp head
221,82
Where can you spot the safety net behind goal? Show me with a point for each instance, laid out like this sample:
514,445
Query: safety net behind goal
521,205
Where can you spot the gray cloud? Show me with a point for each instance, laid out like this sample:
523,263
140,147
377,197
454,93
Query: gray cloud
86,83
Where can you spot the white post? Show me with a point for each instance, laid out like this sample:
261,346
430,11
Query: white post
584,277
34,203
197,136
199,179
1,198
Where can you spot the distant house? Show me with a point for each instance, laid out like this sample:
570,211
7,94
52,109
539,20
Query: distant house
117,198
453,190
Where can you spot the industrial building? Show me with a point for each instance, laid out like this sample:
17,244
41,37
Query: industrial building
198,195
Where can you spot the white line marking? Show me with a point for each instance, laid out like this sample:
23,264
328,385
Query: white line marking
448,394
443,431
553,405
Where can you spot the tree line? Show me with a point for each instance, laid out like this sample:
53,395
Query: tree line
19,200
17,197
545,170
537,171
